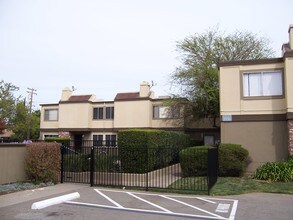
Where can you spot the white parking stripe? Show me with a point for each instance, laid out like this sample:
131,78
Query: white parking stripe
148,202
194,207
109,199
233,211
144,211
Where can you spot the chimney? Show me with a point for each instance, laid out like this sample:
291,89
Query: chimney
291,36
144,89
66,93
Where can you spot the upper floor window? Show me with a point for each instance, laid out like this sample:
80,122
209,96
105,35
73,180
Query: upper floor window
165,112
268,83
51,114
103,113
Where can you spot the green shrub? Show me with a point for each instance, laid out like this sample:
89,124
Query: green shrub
76,162
275,171
61,140
232,160
81,163
42,162
193,160
142,150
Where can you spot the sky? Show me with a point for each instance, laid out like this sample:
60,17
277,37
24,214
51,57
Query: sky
103,47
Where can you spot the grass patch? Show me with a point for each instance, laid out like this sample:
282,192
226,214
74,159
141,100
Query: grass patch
236,185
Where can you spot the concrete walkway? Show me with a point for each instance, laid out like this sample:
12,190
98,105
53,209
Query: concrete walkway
160,178
33,194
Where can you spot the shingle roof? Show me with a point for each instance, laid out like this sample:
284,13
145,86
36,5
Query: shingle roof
127,95
79,98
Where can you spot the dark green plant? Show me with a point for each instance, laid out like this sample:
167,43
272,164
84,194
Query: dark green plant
193,160
232,160
142,150
275,171
61,140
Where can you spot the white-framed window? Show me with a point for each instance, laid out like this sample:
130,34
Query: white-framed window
103,113
51,115
265,83
108,140
165,112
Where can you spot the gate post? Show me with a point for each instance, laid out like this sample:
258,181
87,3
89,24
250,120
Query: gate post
62,163
92,166
213,165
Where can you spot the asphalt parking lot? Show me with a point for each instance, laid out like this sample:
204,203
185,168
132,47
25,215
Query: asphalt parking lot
102,203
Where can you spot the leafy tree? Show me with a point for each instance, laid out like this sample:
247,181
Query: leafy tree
7,104
14,114
197,77
20,121
35,124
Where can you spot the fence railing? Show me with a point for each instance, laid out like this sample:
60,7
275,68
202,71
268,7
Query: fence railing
136,167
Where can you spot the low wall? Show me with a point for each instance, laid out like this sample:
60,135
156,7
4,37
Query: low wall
12,159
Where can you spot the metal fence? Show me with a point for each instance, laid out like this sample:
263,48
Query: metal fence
137,167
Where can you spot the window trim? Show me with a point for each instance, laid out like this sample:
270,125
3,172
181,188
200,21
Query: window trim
51,109
243,97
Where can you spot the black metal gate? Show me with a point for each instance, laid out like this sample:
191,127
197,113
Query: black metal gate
158,168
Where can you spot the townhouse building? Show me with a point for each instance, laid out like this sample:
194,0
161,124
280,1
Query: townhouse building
256,105
82,117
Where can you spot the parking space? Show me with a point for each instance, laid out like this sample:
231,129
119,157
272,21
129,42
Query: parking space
155,204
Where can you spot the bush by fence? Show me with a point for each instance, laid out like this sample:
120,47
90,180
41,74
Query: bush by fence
149,149
42,163
193,161
61,140
232,159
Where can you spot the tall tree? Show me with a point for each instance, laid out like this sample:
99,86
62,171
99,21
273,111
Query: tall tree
197,77
7,104
20,121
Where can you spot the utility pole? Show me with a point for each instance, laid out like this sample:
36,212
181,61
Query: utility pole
31,93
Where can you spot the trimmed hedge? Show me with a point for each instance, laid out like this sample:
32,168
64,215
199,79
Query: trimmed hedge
193,160
61,140
43,162
143,150
232,160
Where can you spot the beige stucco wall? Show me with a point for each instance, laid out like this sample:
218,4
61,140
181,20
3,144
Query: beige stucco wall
231,100
289,83
135,114
12,157
265,141
75,115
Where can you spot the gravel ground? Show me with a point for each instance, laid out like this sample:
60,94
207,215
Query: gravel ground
13,187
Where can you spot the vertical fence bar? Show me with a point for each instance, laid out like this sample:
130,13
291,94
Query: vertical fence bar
62,163
92,166
147,169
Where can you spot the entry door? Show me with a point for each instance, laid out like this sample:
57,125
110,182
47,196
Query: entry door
78,140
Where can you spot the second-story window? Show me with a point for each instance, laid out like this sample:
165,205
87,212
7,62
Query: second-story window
165,112
109,112
51,115
267,83
103,113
